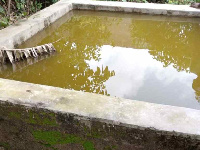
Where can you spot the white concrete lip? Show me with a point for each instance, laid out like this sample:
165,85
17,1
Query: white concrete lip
136,113
144,8
119,110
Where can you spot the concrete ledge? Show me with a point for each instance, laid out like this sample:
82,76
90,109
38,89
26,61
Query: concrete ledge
143,8
135,113
14,35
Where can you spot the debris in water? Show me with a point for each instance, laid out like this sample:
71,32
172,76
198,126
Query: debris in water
14,55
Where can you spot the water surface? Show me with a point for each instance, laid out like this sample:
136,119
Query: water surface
148,58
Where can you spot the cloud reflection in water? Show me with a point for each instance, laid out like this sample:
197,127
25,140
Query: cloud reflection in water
139,76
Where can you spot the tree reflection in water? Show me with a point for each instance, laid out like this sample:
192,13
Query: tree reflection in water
172,43
81,40
68,68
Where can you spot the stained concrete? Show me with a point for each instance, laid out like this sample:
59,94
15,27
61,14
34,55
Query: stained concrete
168,125
33,128
119,110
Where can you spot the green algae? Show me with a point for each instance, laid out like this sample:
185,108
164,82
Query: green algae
47,121
15,115
88,145
32,117
49,137
42,118
5,145
52,138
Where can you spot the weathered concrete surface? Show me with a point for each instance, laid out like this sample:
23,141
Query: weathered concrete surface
136,113
14,35
140,125
26,128
144,8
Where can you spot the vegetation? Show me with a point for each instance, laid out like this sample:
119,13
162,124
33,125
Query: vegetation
52,138
12,10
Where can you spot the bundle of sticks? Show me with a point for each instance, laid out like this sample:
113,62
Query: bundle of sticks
14,55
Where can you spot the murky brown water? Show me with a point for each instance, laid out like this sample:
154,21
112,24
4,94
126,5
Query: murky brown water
148,58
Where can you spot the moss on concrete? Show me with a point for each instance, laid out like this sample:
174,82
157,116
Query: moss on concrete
15,115
5,145
34,118
88,145
34,128
51,138
42,119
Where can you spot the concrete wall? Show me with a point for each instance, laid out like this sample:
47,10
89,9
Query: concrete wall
30,113
42,117
142,8
32,128
18,33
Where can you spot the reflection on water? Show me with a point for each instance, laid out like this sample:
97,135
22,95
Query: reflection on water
139,76
148,58
8,69
177,45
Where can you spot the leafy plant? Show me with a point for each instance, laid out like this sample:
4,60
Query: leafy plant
35,6
2,11
4,22
11,10
180,2
3,19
